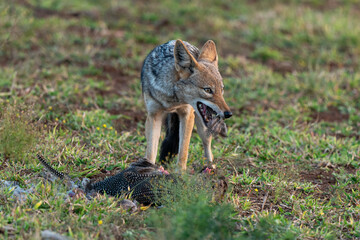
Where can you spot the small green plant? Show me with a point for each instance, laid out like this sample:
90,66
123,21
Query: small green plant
17,132
190,213
269,227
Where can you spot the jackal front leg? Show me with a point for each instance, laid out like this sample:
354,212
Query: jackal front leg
205,137
186,116
152,129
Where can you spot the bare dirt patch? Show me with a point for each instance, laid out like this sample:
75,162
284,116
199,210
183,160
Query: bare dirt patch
129,119
321,177
333,114
117,82
281,67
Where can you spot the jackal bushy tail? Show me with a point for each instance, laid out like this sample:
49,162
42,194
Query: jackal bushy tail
170,145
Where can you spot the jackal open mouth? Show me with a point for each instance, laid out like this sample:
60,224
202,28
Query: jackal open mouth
214,123
206,112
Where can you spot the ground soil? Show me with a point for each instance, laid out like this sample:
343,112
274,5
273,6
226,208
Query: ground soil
333,114
130,121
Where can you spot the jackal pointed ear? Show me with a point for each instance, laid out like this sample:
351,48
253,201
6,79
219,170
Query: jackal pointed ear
208,52
184,61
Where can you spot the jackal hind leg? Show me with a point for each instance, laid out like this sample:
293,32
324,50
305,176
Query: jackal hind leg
205,137
186,116
152,131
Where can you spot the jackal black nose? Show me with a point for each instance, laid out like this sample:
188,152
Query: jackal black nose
227,114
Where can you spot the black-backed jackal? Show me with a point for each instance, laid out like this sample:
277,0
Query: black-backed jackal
183,83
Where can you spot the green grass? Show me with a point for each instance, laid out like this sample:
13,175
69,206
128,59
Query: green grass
70,89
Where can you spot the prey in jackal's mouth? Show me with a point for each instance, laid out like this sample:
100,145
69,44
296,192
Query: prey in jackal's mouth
214,123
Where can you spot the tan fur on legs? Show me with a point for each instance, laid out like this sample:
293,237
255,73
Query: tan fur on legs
205,137
186,116
152,129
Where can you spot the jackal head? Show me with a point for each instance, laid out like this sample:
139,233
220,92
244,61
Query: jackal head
200,83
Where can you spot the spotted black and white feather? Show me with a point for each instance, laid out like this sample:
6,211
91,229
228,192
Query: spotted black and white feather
49,168
141,181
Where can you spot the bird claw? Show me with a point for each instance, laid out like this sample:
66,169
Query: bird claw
162,170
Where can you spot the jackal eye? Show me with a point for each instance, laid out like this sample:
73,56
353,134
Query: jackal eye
208,90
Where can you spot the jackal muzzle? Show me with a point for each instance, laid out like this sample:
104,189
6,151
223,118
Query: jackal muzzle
212,120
